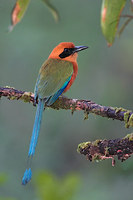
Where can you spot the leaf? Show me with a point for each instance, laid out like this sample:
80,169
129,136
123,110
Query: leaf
18,12
52,9
124,26
50,187
110,16
69,185
3,178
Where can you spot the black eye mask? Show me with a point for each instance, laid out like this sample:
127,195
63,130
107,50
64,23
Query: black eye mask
67,52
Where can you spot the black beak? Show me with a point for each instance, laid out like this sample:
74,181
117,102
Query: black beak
79,48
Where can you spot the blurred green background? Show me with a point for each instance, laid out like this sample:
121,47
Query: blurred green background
105,76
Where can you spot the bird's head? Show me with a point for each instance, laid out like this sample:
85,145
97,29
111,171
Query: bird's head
66,51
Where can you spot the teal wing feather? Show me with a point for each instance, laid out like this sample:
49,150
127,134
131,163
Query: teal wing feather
54,97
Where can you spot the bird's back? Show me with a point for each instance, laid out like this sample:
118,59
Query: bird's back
52,76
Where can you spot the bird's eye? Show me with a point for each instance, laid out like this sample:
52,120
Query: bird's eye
66,50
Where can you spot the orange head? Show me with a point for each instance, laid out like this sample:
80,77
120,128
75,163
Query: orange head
66,51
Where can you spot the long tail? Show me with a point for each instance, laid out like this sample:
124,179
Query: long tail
35,133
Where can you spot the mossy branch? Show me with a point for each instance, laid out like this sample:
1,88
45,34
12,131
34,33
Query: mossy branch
99,149
87,106
107,149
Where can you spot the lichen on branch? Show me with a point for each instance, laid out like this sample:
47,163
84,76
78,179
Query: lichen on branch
99,150
87,106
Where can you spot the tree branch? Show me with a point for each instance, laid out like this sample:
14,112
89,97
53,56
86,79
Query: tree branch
87,106
108,149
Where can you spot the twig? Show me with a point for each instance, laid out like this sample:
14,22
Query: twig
127,16
124,26
107,149
87,106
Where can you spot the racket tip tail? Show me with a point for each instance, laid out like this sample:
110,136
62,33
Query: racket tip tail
27,176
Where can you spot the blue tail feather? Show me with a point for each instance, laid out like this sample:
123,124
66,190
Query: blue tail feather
27,176
36,129
35,133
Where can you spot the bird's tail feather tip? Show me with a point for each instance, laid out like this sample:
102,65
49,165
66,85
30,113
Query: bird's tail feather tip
27,176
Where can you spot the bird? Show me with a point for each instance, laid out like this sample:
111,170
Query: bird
55,77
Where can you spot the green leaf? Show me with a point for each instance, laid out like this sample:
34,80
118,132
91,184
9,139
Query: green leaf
52,9
69,185
110,16
50,187
3,178
18,12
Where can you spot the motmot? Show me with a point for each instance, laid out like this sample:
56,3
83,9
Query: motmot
55,77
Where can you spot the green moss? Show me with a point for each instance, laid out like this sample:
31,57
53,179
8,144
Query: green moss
26,96
126,119
117,110
96,142
106,151
73,108
129,136
96,158
131,120
12,98
83,146
86,113
9,87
